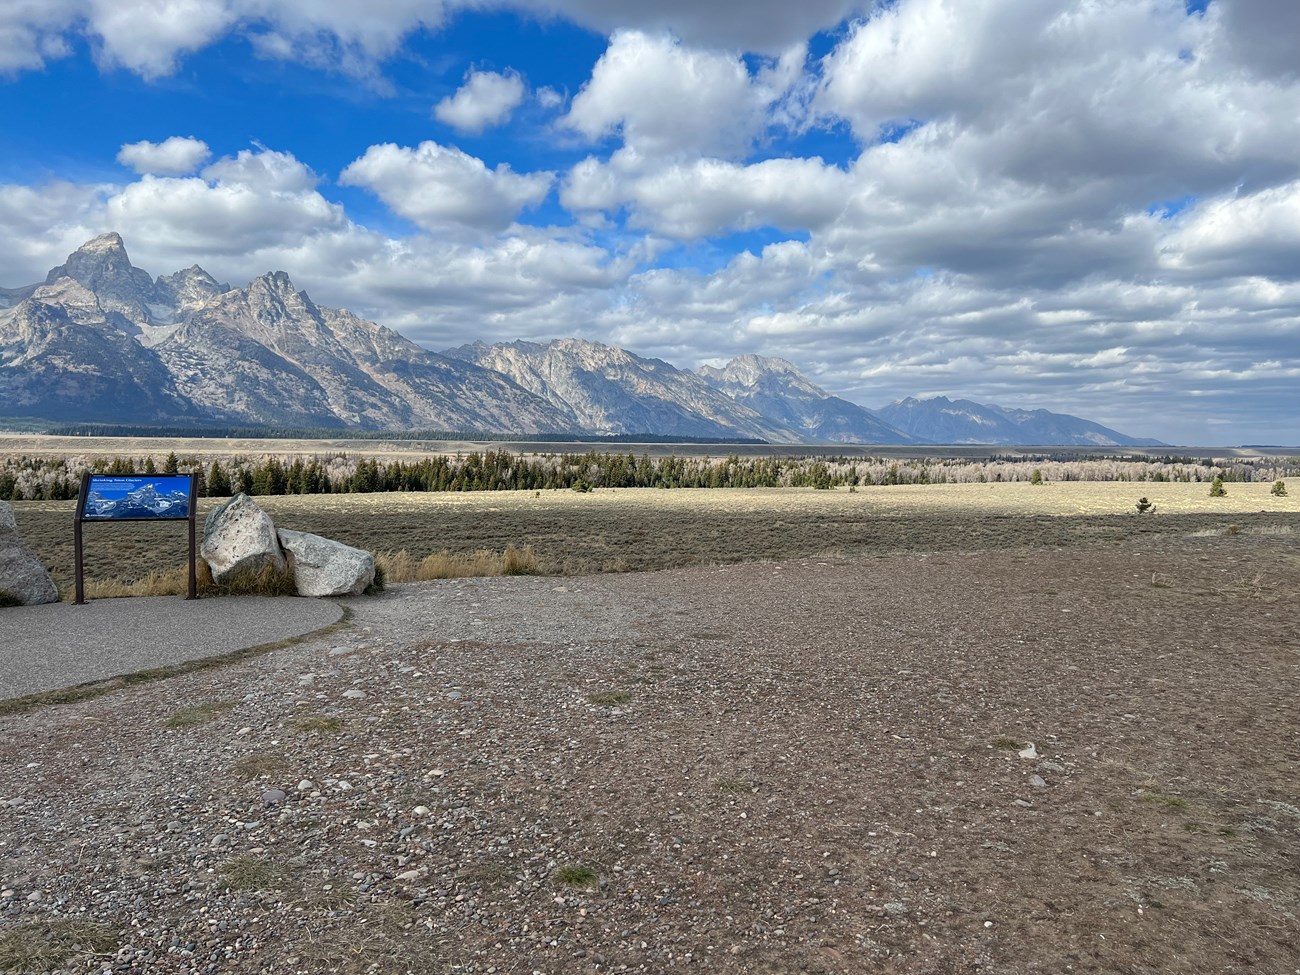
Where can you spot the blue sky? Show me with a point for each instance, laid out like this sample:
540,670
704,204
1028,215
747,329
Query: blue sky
1088,207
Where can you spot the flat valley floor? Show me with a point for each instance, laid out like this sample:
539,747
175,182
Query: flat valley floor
819,765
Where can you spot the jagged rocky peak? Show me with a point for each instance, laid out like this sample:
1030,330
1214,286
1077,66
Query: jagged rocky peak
103,267
273,301
188,289
747,370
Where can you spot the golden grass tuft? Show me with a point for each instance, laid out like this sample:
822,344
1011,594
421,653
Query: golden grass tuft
401,566
266,581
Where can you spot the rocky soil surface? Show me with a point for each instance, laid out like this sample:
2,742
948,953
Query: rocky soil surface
1079,760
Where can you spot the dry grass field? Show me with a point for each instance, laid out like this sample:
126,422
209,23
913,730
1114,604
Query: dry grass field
641,529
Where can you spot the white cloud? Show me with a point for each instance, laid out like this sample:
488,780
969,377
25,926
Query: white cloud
709,196
486,99
147,36
150,37
439,187
1252,235
664,98
549,98
263,170
32,32
174,156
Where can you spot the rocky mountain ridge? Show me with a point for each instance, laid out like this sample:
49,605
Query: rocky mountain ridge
100,340
609,390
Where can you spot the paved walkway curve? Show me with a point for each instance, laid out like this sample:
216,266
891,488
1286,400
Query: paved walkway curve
43,648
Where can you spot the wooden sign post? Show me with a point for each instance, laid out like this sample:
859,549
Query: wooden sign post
145,497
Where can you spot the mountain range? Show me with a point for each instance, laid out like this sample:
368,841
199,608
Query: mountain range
102,341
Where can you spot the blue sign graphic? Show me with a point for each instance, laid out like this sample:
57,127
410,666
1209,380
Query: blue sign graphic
153,496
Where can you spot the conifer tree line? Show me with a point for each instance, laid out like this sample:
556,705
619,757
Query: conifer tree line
37,479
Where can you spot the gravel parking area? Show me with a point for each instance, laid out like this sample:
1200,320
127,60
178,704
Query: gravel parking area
1078,760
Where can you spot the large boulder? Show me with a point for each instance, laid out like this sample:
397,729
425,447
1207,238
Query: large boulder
238,538
22,577
323,567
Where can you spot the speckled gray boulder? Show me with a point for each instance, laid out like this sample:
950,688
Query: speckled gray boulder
239,537
324,567
22,576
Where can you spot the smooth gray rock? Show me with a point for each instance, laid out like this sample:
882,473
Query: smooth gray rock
324,567
22,576
238,536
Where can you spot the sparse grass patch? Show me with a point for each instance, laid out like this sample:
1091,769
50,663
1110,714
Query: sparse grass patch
1165,800
256,765
193,715
733,785
1006,744
609,698
254,873
49,944
319,724
578,876
8,600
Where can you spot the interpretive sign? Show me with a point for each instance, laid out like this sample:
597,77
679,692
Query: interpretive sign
145,497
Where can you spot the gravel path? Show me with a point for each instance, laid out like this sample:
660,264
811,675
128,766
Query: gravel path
58,645
820,766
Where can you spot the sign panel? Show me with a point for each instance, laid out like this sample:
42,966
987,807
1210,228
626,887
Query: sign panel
145,497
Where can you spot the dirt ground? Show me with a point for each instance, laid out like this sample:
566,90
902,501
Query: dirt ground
815,765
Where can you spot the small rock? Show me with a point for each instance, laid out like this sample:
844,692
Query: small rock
1029,751
272,796
420,811
354,694
896,909
1023,804
306,785
1037,781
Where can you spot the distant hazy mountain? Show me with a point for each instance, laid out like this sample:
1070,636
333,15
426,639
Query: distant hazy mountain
609,390
945,421
776,389
102,341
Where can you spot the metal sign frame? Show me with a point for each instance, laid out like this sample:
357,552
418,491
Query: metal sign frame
88,480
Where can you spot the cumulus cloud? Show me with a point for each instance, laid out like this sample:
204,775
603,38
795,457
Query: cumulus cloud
664,98
709,196
486,99
1259,35
33,32
439,187
150,37
175,156
1254,235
